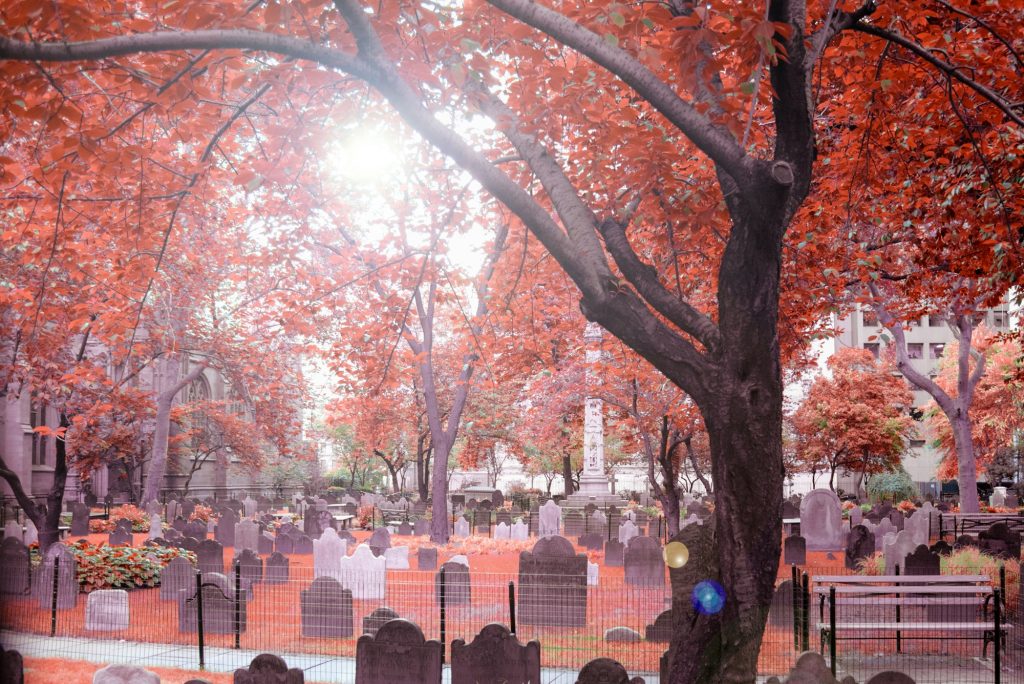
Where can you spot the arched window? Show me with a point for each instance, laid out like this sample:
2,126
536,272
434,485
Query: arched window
37,418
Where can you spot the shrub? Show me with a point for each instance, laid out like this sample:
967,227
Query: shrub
137,516
906,506
364,517
121,567
201,512
893,486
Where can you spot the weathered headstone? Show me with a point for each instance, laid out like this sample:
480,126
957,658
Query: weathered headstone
794,550
247,535
12,530
856,516
593,574
661,630
218,610
265,542
404,529
377,619
421,527
380,540
495,655
890,677
225,533
553,584
502,531
277,569
461,527
781,612
31,534
942,548
250,566
644,562
303,545
267,669
364,573
627,530
614,553
106,610
249,506
897,550
1000,541
12,667
14,567
326,609
398,654
921,562
821,521
573,524
124,674
883,528
210,554
156,527
592,541
550,519
79,520
623,635
396,558
457,586
520,531
119,537
176,576
426,558
604,671
859,545
196,529
328,551
67,579
282,543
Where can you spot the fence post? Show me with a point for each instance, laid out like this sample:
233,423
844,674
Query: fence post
998,612
512,606
199,618
806,612
1002,580
238,603
53,598
832,628
441,580
796,602
899,641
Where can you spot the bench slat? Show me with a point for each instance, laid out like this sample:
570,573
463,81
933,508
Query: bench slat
889,579
824,591
910,626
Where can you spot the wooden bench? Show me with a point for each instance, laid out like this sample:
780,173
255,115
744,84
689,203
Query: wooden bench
970,596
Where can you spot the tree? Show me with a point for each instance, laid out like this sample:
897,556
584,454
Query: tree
857,420
654,149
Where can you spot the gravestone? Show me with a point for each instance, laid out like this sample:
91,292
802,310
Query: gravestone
173,509
347,537
614,553
921,562
942,548
503,516
12,666
644,563
553,584
276,569
326,609
189,544
622,635
380,540
179,524
497,499
856,516
364,573
890,677
790,510
573,524
124,674
457,587
247,535
225,532
79,520
176,576
502,531
520,531
398,654
67,579
821,521
1000,541
156,527
14,567
310,523
898,519
897,550
196,529
377,619
250,566
661,630
605,671
421,527
249,506
592,541
210,554
794,550
218,610
119,537
781,612
303,546
550,515
627,530
12,530
495,655
1012,501
154,507
404,529
461,527
396,558
426,558
188,507
31,534
462,559
593,574
328,551
267,669
265,543
106,610
859,545
883,528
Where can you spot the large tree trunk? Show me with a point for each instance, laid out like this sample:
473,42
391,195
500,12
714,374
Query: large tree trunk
567,472
967,477
162,429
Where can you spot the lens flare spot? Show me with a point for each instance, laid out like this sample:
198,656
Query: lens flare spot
708,597
676,554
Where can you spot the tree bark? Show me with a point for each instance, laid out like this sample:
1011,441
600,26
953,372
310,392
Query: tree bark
162,429
567,472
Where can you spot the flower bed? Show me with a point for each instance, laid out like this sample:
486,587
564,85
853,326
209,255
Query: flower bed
121,567
137,516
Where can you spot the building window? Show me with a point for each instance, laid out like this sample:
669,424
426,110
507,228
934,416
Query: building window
915,350
913,322
979,318
936,321
1000,319
917,444
869,317
37,418
935,350
873,347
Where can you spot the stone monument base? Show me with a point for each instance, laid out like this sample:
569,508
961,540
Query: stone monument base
601,500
